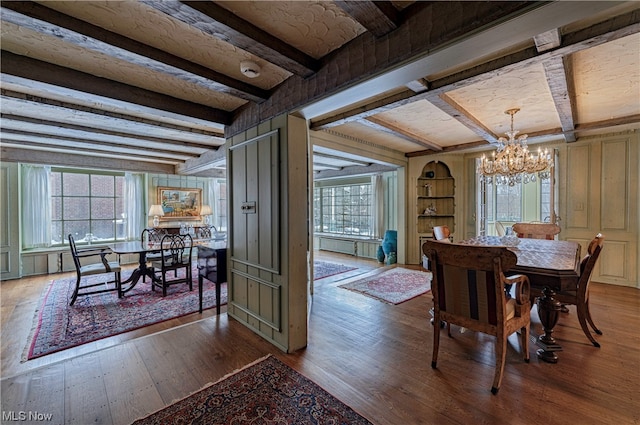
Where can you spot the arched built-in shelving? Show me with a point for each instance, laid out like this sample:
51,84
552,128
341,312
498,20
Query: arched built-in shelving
436,198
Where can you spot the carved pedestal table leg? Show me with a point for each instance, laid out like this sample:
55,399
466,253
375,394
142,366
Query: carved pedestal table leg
548,310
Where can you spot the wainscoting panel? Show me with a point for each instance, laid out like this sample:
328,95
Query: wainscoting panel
367,248
612,264
338,245
615,187
578,197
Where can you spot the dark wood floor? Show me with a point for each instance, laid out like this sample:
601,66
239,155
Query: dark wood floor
373,356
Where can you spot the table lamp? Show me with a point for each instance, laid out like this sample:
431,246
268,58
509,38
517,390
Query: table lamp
156,211
206,212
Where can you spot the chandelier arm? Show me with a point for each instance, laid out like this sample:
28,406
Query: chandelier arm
512,162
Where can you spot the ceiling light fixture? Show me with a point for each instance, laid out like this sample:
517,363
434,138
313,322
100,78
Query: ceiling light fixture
250,69
512,162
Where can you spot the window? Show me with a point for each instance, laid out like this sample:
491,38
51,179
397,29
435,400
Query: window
343,209
513,204
507,201
220,211
545,200
88,205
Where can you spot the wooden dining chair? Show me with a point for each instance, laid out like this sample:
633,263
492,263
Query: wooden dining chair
579,296
99,265
500,230
152,235
176,255
441,233
468,290
536,230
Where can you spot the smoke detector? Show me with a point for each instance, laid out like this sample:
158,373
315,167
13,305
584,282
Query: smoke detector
249,69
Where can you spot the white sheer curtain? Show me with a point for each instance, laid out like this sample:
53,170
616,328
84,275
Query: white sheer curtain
36,206
134,205
213,200
377,216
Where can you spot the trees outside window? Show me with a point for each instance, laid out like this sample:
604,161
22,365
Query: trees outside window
343,209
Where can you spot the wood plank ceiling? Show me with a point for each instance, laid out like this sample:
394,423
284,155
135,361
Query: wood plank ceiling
157,85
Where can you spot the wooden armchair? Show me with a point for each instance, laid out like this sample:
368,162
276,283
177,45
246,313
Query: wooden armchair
468,289
176,255
536,230
103,266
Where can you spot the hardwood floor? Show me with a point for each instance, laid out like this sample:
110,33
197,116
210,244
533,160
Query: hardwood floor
373,356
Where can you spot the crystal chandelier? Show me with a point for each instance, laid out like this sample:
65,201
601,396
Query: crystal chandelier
512,162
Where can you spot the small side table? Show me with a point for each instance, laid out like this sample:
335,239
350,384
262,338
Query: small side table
212,265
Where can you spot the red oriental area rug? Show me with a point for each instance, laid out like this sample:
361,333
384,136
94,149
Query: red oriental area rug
322,269
265,392
58,326
393,286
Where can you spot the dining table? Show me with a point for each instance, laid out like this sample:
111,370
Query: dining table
550,265
140,248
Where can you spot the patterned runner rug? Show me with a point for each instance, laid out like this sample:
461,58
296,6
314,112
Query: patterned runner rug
58,326
393,286
265,392
322,269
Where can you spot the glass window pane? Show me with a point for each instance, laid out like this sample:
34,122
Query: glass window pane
75,208
56,208
75,184
102,208
102,185
56,233
79,229
56,184
92,207
102,229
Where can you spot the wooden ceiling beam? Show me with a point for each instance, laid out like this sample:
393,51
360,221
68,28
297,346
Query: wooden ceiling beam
612,29
614,122
340,158
88,150
48,21
57,126
460,114
396,131
113,146
560,80
379,17
110,114
45,72
206,164
362,112
448,149
327,166
607,31
28,156
217,21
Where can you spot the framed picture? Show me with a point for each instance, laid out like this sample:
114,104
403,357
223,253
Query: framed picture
180,203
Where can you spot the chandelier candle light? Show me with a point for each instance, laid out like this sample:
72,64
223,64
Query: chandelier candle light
512,162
